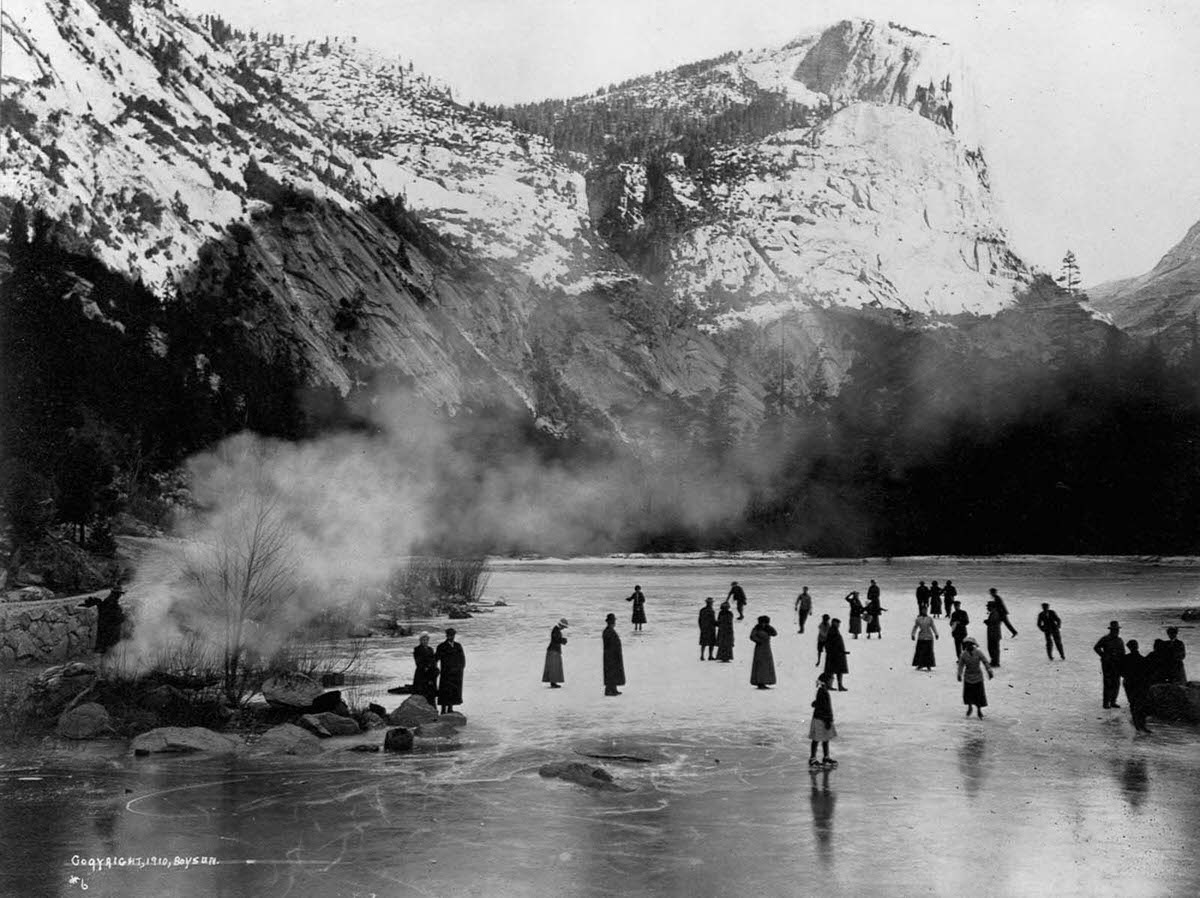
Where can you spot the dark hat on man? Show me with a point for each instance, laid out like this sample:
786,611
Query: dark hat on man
610,616
562,623
1113,625
1045,604
764,619
708,601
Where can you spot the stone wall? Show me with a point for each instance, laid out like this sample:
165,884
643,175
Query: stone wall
36,632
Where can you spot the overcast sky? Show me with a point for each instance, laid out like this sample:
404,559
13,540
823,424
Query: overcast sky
1092,107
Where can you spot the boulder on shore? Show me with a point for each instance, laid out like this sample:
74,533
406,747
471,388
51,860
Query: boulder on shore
183,740
413,711
329,701
453,718
289,739
1175,701
328,724
87,721
439,729
581,774
398,739
292,690
56,687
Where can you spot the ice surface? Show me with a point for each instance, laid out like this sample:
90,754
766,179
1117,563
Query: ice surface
1049,795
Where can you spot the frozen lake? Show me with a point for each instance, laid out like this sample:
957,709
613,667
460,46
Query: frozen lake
1050,794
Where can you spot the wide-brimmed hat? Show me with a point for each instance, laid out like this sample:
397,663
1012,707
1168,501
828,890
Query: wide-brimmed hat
1113,625
562,622
970,640
708,600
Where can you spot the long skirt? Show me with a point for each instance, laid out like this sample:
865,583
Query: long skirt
855,626
974,694
873,623
923,656
553,671
819,732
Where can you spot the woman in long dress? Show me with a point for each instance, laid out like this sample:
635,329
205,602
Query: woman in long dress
821,729
452,661
425,677
762,669
552,673
835,653
639,608
924,631
872,612
856,611
971,667
724,633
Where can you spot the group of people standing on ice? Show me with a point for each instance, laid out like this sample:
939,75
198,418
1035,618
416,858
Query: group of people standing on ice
1123,662
439,672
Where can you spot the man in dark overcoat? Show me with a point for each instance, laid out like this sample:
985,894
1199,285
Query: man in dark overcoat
614,660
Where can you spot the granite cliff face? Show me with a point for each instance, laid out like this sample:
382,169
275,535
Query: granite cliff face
372,222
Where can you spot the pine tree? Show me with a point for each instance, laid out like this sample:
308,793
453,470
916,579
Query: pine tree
1069,278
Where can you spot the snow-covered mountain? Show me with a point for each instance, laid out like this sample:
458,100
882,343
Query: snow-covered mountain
177,153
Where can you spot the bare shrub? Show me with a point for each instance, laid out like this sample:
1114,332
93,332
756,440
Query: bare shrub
427,585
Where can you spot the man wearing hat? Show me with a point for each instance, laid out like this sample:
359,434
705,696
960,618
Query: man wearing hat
452,661
1111,650
708,629
614,661
552,673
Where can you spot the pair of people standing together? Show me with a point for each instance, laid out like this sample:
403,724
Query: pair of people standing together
439,673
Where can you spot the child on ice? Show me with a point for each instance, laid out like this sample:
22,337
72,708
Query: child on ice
821,729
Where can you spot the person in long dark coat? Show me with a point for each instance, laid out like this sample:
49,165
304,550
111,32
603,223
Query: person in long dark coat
725,633
835,653
872,612
958,627
452,661
109,617
708,629
922,598
856,612
1135,672
1169,655
552,673
1111,649
614,660
935,599
949,594
762,668
992,623
425,676
822,635
639,608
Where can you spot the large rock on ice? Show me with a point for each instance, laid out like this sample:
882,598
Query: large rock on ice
1174,701
581,774
328,724
289,739
87,721
398,739
413,711
292,690
439,729
184,740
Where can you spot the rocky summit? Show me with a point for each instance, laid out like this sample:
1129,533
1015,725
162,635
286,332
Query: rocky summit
357,218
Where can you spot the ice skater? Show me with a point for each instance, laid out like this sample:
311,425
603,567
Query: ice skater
992,624
1169,654
708,629
614,660
762,668
452,661
971,668
922,598
1051,624
935,599
924,632
872,611
803,608
958,627
552,673
949,594
1111,650
725,633
835,653
739,597
639,608
821,730
1135,672
1003,611
822,636
856,613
